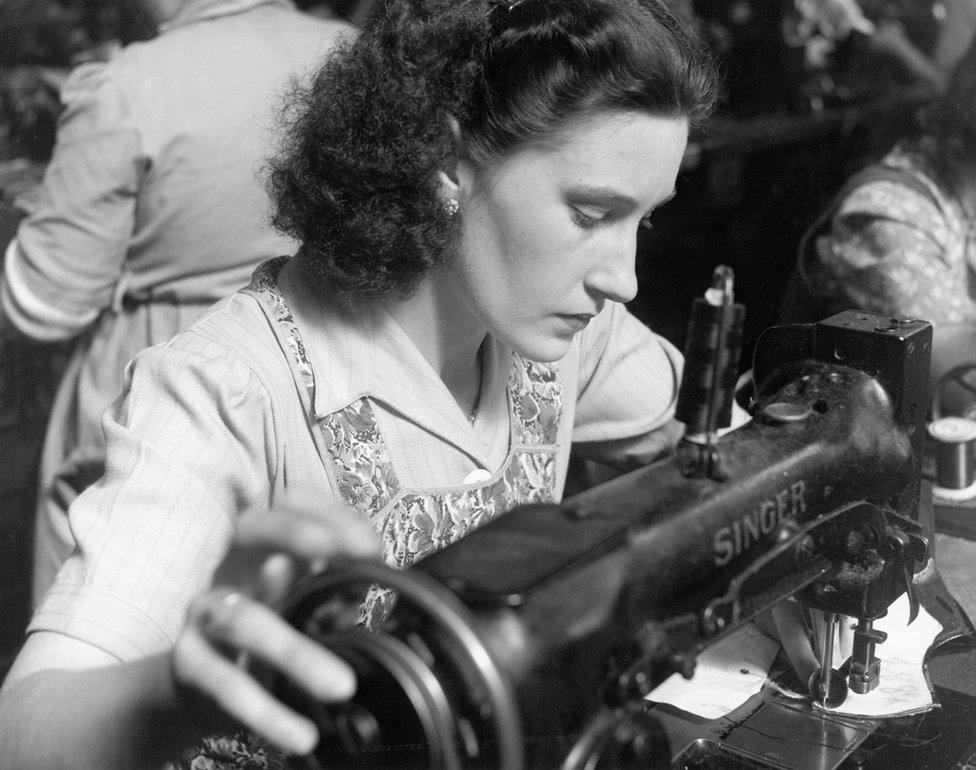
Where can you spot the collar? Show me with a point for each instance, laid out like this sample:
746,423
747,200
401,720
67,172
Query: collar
357,349
199,10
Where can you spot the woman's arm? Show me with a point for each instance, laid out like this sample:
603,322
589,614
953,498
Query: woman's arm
628,386
67,703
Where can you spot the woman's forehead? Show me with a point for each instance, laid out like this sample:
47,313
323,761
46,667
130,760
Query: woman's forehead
606,149
586,132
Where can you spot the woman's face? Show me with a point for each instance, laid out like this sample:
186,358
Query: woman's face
549,234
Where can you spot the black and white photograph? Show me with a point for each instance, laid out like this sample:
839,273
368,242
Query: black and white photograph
503,384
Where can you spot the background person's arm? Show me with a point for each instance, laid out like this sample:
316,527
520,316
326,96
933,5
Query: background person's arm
64,265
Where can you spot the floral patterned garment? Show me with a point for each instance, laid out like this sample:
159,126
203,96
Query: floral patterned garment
414,523
897,251
232,752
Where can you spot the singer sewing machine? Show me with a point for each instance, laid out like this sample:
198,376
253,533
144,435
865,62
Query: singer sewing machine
533,641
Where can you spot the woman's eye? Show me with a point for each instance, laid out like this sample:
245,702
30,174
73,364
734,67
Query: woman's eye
586,219
646,223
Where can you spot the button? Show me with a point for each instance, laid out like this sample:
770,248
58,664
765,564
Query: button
477,476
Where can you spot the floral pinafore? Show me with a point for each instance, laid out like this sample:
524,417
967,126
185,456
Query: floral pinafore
411,522
416,522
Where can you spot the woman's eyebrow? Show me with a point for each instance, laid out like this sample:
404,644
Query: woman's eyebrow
611,195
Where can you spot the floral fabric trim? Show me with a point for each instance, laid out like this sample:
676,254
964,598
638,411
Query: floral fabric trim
264,284
413,525
420,524
362,463
537,401
231,752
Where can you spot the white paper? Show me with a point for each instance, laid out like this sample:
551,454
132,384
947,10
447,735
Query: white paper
902,688
728,673
733,669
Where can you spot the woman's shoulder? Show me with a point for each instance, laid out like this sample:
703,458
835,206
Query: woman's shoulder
623,346
617,328
903,186
234,332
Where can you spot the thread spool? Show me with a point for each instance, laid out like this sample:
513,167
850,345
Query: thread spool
711,362
954,441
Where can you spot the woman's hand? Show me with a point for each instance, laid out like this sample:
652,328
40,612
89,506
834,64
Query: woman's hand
235,620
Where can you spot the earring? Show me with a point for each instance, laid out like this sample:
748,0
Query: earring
451,206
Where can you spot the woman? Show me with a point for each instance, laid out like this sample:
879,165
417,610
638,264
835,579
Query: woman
467,181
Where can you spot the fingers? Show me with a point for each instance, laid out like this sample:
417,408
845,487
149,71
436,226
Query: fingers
226,621
231,620
199,668
271,548
300,525
276,577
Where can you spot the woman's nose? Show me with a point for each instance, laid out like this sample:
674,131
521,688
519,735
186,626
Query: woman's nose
614,275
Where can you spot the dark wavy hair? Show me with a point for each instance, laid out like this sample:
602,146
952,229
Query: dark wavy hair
355,178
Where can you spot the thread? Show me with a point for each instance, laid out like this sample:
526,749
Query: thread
954,442
704,348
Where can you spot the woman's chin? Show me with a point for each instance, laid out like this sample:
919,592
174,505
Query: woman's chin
545,351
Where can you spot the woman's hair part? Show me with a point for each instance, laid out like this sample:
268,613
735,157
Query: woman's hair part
355,181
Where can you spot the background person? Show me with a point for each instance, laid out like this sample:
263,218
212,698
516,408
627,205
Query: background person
900,238
150,210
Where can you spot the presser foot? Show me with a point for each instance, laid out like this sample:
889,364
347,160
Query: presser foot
865,667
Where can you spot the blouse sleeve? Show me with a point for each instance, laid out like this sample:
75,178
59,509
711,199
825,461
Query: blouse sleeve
189,446
62,268
892,250
627,392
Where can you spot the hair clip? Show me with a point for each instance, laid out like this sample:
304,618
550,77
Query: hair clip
508,5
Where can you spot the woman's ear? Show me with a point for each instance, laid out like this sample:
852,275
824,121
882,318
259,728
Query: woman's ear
454,172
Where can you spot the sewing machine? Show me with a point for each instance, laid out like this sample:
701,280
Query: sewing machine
533,641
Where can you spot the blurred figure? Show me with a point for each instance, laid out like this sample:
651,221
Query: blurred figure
875,33
900,238
958,28
150,210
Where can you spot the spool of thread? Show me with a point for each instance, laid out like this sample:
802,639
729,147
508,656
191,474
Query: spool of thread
705,351
954,441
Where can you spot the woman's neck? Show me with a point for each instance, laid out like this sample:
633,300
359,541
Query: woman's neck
448,336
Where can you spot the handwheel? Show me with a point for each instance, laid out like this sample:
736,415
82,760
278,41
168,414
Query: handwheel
429,693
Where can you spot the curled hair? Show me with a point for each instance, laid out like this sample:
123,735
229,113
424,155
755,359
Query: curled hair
355,181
